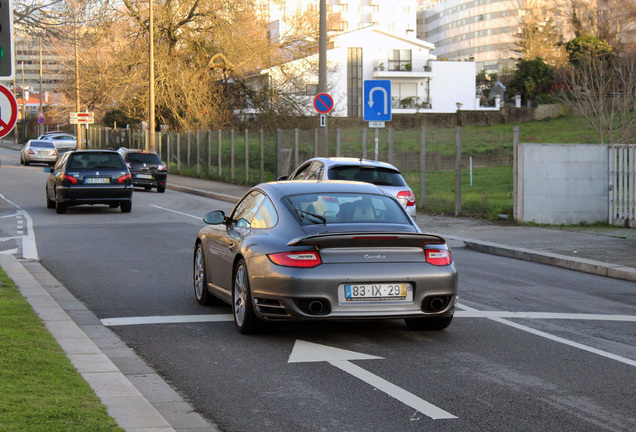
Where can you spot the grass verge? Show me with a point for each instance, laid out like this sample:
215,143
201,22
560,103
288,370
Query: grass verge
39,387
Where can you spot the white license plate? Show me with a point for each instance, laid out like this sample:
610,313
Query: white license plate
144,176
374,292
97,180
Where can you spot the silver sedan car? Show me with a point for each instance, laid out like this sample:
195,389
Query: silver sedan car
316,250
38,151
381,174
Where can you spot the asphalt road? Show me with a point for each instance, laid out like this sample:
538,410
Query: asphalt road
571,370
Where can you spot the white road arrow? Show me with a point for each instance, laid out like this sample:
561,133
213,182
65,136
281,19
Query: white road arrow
386,97
310,352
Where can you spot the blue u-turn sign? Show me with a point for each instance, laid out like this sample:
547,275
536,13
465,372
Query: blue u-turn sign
377,100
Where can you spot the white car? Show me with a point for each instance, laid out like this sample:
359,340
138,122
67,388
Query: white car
381,174
63,141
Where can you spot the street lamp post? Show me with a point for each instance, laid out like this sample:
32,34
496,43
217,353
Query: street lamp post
151,83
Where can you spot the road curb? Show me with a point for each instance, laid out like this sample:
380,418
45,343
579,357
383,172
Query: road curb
204,193
556,260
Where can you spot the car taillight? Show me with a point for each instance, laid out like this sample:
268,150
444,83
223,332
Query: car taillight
406,197
161,167
31,152
123,178
66,179
305,259
438,257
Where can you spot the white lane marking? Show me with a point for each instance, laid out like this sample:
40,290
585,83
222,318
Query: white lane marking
9,201
166,319
304,352
558,339
177,212
9,251
472,313
29,247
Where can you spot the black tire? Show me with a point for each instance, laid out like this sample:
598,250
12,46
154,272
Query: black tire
242,306
126,206
161,189
50,204
437,323
26,162
200,278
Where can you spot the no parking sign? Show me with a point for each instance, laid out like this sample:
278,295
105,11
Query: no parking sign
8,111
41,118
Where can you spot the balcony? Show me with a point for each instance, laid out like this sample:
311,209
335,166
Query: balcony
410,103
402,69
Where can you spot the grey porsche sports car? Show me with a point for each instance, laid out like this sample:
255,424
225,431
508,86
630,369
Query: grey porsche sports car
321,250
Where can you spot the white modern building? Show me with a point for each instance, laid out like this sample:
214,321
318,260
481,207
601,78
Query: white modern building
419,83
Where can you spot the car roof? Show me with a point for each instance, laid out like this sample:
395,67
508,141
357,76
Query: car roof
337,161
94,151
124,149
48,134
294,187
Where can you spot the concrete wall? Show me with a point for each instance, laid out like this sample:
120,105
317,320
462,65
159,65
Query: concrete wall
452,82
563,183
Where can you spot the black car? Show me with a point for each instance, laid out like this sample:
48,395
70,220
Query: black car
89,177
147,169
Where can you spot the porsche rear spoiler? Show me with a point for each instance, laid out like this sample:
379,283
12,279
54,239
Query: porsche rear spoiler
368,239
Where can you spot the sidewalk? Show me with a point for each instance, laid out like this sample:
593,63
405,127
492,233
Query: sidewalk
605,251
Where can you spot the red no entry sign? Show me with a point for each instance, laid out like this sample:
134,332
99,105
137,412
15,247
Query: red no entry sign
8,111
323,103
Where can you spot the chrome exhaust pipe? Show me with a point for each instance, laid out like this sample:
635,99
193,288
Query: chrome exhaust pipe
437,304
316,307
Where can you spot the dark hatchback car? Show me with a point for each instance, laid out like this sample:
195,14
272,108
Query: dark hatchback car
146,168
89,177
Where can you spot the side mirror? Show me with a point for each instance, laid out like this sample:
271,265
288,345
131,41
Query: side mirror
48,169
216,217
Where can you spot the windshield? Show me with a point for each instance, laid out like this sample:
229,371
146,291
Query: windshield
346,208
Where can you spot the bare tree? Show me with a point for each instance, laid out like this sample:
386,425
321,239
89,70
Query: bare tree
604,94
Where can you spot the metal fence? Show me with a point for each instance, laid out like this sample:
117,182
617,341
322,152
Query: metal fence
428,158
622,187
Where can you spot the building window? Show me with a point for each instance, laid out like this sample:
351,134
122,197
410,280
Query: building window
354,82
399,60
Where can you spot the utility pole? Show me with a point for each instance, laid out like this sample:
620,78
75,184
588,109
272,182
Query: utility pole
322,74
40,126
151,83
78,127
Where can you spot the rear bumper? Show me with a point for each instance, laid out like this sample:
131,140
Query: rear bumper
283,293
78,195
158,179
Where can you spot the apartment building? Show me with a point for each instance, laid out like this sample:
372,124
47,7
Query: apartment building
483,31
395,16
28,57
